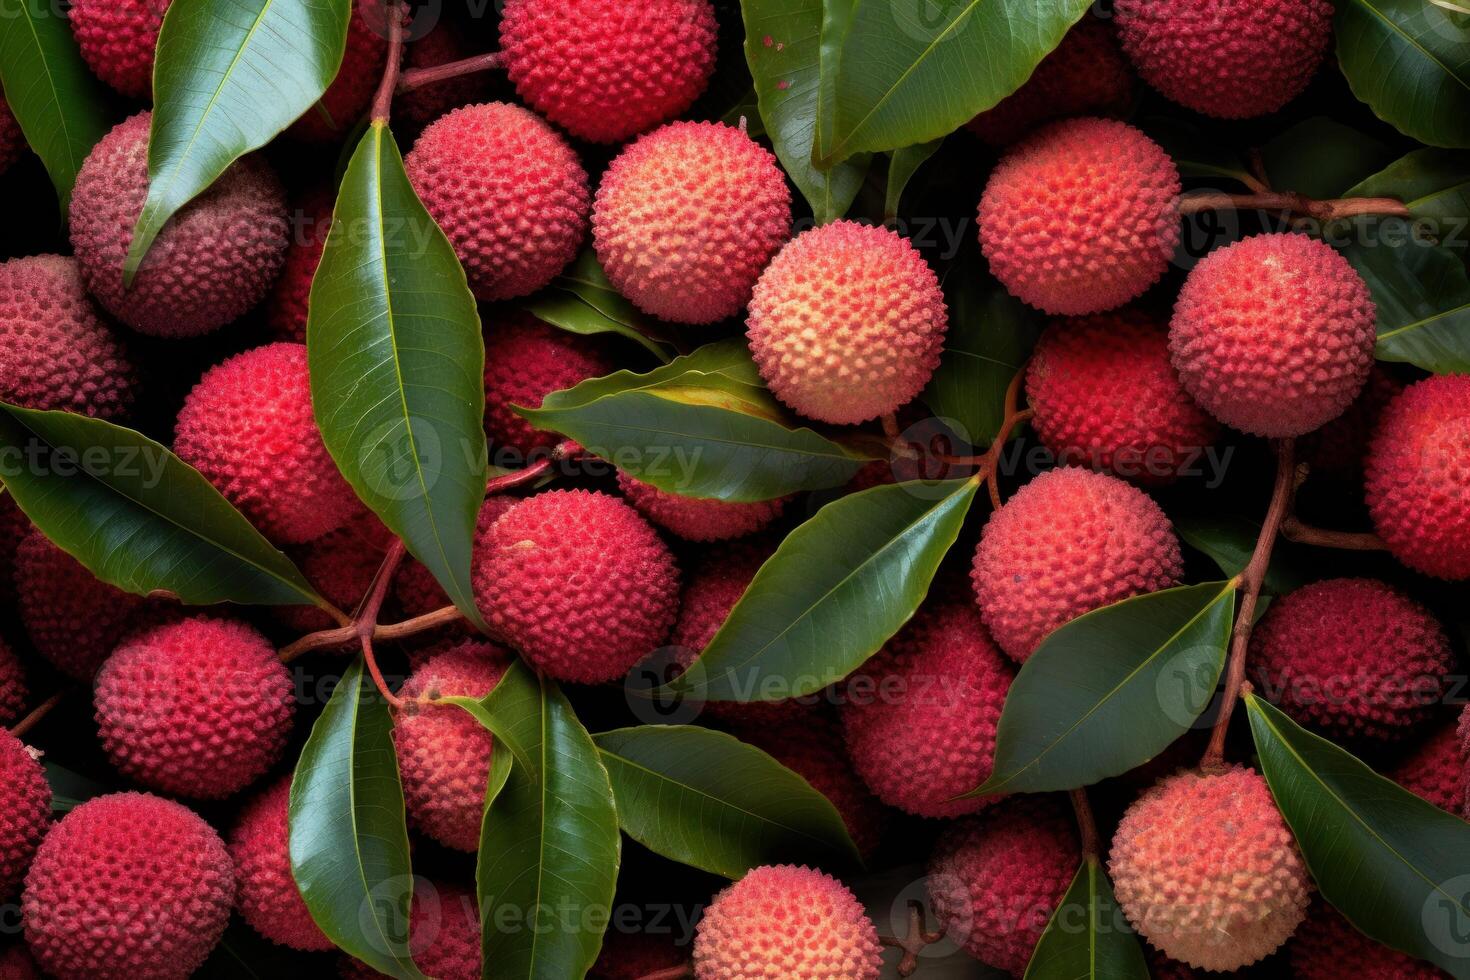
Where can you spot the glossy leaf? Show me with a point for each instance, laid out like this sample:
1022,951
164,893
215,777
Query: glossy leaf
1423,298
1088,937
1397,866
1410,61
833,593
349,839
136,515
397,366
706,799
1318,157
582,301
1230,541
1112,689
1435,185
901,169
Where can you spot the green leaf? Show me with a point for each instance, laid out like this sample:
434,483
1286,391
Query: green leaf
349,839
901,169
1423,298
1435,185
1410,61
581,300
1088,937
701,426
835,591
1194,150
1112,689
913,72
229,76
60,106
1397,866
706,799
70,789
398,366
1318,157
1230,540
137,516
783,48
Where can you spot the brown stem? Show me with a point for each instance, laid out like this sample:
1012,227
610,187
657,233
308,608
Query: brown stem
992,464
503,484
393,700
1257,180
1296,203
419,77
39,712
912,944
1249,582
419,624
1294,530
383,100
1086,825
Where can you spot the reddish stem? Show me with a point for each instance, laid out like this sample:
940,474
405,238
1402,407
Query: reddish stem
1086,825
383,100
532,473
419,77
1297,203
419,624
39,712
914,943
1294,530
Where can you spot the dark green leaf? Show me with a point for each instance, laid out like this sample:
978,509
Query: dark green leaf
581,300
1230,541
1318,157
748,111
1088,937
1423,298
70,789
1435,184
901,169
1410,61
1195,151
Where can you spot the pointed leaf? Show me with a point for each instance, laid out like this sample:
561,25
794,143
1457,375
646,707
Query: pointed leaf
1423,298
1319,156
581,300
1230,540
1088,937
1434,184
1410,61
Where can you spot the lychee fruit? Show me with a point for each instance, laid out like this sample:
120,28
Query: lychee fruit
104,864
605,70
248,427
847,323
1338,448
1353,658
1081,217
417,591
342,566
509,193
347,98
216,259
1274,334
289,305
443,751
12,140
995,880
1106,396
15,527
200,707
25,811
696,519
441,46
1086,75
1069,542
117,39
1327,947
1418,477
443,934
1435,770
635,955
577,582
526,360
55,351
1231,59
686,219
266,892
786,921
13,693
920,744
1205,868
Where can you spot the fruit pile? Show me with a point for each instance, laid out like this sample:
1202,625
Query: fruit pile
734,428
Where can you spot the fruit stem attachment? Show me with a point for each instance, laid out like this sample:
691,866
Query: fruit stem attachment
39,712
1324,211
1086,825
912,944
419,77
1294,530
1249,581
383,100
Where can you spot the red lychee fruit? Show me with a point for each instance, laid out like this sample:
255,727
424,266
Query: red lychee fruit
217,258
1353,658
12,140
1231,59
13,693
117,39
509,193
578,583
443,751
248,427
415,587
1274,334
1081,217
200,707
1205,868
996,879
266,892
104,864
443,934
1327,947
922,732
687,218
25,811
1106,396
342,566
55,351
1069,542
635,955
16,963
526,360
852,354
290,301
786,921
441,46
1435,770
1339,446
696,519
605,70
1418,477
1086,75
347,98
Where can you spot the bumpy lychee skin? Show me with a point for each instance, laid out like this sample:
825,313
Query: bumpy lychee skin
1435,770
13,693
117,39
1274,335
1231,59
12,140
200,707
605,70
847,323
526,360
248,427
108,861
789,922
347,98
266,893
578,583
1338,448
1081,217
1069,542
695,519
920,745
25,811
1206,870
509,193
1106,396
216,259
415,587
1327,947
686,219
443,934
441,46
341,566
1354,658
1418,477
996,879
443,752
290,301
1086,75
